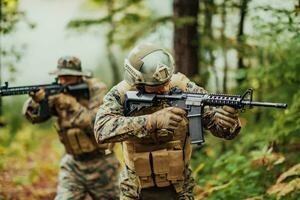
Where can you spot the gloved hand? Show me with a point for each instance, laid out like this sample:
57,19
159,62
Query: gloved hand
65,105
227,118
38,96
167,118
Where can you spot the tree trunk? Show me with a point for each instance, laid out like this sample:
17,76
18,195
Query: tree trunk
186,39
113,64
111,58
224,47
209,7
0,83
1,111
1,108
241,37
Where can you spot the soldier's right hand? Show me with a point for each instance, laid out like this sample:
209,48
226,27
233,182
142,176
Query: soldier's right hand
167,118
38,96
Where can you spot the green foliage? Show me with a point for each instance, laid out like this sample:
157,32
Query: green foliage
29,155
127,22
15,120
281,23
8,19
287,125
131,21
10,16
268,145
29,164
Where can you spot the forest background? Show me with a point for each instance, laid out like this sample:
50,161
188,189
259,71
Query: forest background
225,46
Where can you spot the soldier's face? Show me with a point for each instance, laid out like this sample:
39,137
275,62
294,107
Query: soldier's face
69,79
160,89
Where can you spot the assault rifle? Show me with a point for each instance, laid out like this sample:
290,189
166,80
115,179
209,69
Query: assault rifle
50,89
80,89
194,104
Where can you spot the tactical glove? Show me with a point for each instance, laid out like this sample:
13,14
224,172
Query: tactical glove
167,118
38,96
227,118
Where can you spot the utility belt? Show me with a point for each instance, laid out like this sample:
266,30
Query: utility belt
89,156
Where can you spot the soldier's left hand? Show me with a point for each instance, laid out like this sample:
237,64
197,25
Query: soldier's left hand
227,117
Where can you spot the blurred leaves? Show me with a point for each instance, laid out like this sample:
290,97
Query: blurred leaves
282,188
202,193
266,157
262,163
131,20
10,16
26,172
294,171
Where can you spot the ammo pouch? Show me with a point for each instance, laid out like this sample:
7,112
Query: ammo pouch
159,168
77,142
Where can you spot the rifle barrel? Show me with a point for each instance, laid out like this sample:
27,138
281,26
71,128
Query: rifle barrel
51,89
265,104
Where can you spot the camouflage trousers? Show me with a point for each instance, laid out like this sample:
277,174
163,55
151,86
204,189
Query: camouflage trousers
130,189
96,178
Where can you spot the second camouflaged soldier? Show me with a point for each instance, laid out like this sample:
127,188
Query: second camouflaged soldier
155,140
87,168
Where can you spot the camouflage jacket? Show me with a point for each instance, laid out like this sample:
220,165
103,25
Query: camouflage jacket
112,126
80,119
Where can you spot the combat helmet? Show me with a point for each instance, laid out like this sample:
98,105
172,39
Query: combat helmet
69,65
149,65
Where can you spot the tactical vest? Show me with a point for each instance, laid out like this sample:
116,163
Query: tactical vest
159,161
78,141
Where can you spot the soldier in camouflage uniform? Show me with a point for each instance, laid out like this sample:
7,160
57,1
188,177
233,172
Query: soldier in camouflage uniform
155,141
87,167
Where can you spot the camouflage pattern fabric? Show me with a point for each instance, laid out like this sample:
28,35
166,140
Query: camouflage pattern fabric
76,115
69,65
129,189
96,177
112,126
